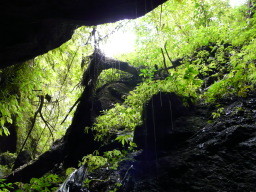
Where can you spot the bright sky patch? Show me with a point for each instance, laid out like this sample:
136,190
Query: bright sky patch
235,3
119,43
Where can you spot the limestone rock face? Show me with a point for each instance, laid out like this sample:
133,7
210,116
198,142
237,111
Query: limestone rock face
30,28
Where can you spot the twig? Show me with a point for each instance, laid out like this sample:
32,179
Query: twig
47,124
164,61
41,97
165,48
77,101
131,167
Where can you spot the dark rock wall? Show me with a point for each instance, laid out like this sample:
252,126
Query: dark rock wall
199,155
160,128
30,28
220,156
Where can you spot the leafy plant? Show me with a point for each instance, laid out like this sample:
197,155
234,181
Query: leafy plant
93,162
218,113
212,39
109,159
5,187
46,183
148,73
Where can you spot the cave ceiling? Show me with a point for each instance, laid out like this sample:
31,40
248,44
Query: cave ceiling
33,27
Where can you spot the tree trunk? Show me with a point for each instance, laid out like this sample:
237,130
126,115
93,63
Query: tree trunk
76,143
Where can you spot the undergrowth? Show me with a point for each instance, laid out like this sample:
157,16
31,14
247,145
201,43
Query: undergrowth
216,45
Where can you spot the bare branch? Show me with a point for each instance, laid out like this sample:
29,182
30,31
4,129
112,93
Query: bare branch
165,48
41,97
47,125
164,61
77,101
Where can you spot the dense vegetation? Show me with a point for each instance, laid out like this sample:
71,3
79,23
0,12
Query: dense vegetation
202,50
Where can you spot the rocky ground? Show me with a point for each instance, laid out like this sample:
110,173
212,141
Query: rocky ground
213,155
221,156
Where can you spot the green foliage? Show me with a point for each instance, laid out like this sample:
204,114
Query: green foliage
241,78
93,162
124,139
70,170
148,73
127,116
216,42
5,170
56,74
5,187
114,157
47,183
109,159
15,82
9,159
87,182
218,113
